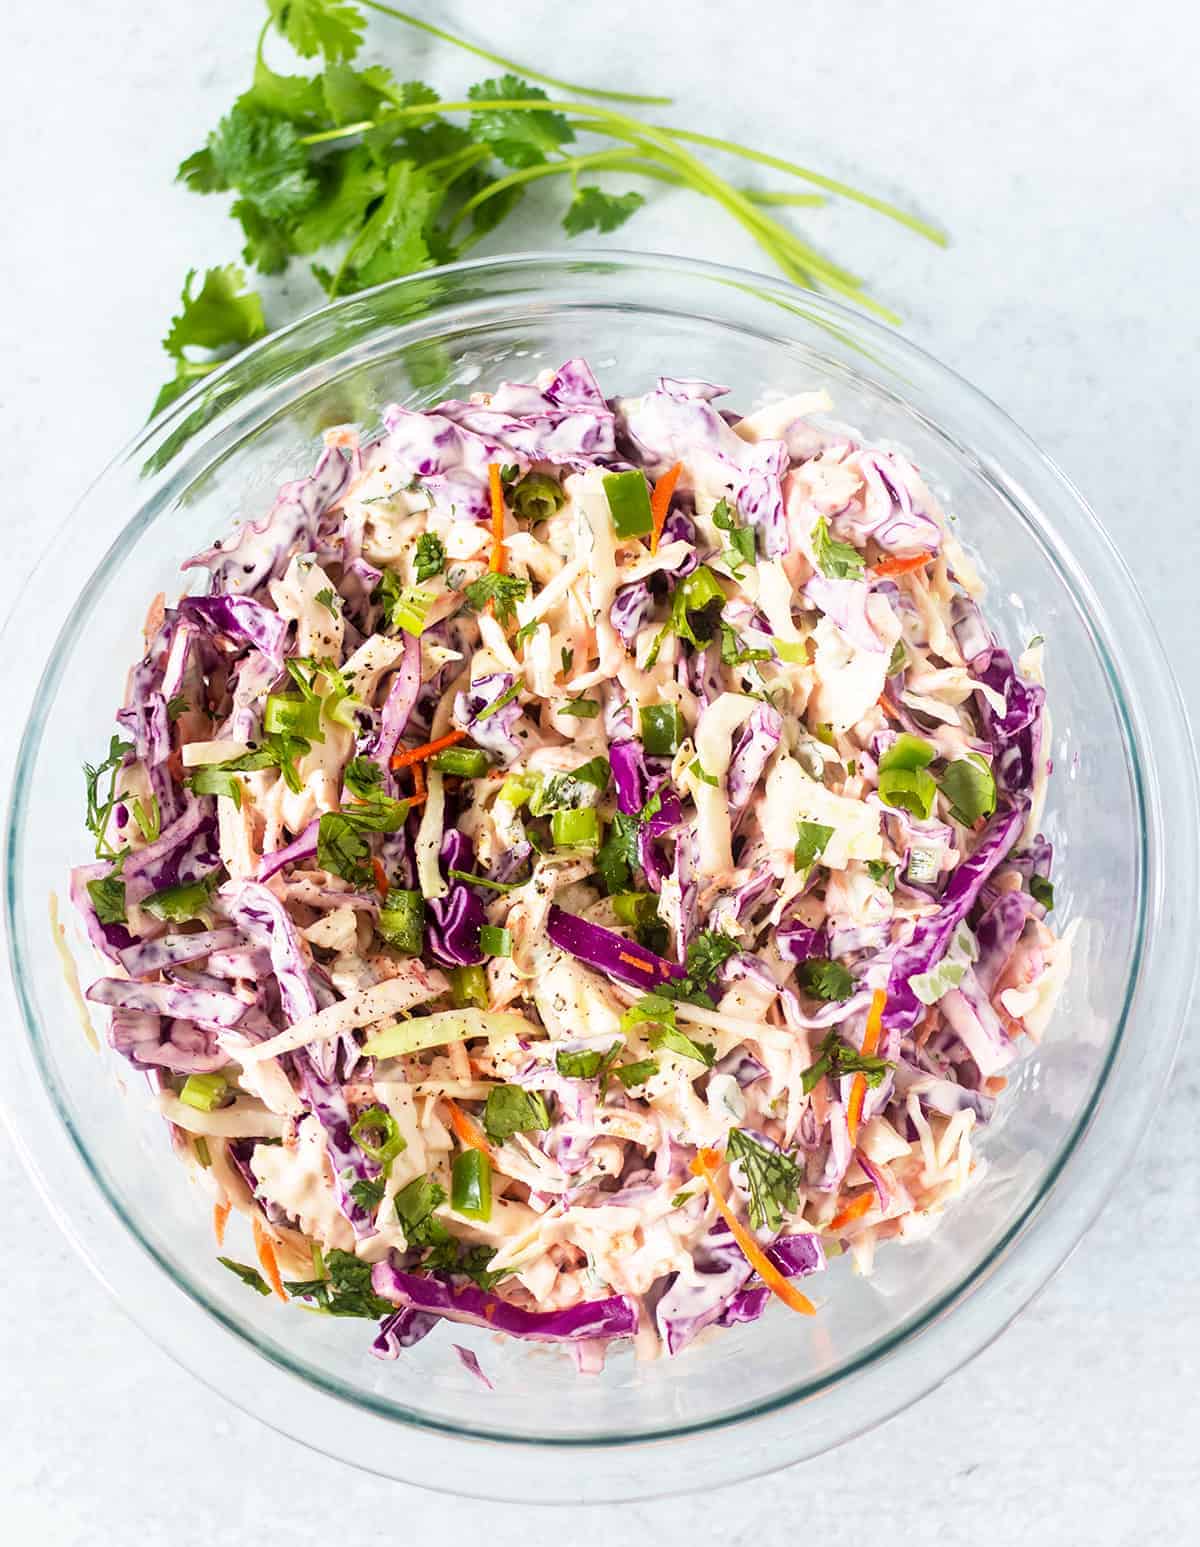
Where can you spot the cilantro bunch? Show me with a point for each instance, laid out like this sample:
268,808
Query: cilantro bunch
366,177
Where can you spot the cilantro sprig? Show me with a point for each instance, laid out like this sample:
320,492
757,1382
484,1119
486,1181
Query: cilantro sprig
342,844
835,1058
657,1012
368,178
415,1206
825,979
502,592
770,1177
347,1289
741,550
100,805
836,560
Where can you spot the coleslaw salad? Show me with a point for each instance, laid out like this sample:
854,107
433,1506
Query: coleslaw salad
578,866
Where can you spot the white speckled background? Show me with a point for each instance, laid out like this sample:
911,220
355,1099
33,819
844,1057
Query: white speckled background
1058,142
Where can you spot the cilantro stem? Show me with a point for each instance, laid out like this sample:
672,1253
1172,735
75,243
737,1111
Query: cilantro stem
346,130
763,196
613,161
601,160
335,282
830,184
793,255
508,64
452,167
796,257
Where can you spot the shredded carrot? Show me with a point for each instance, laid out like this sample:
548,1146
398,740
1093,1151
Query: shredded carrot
902,566
266,1256
419,779
927,1027
634,961
419,754
858,1094
887,706
660,502
855,1209
858,1087
220,1216
381,880
705,1165
465,1128
497,490
874,1029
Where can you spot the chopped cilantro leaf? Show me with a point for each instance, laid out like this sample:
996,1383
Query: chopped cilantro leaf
706,954
824,979
342,846
512,1109
100,807
810,843
415,1204
636,1074
594,210
836,1058
836,560
249,1276
679,1042
770,1177
742,548
502,591
882,873
363,778
108,898
1042,890
368,1195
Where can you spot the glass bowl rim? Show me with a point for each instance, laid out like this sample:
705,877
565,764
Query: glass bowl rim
814,308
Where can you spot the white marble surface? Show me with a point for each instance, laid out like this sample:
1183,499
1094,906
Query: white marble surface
1058,143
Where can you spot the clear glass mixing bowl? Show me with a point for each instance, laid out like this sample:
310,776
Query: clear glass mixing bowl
759,1396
